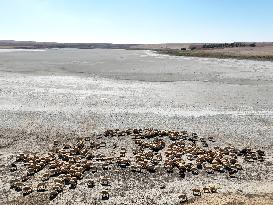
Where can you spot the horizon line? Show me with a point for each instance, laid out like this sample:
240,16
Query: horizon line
34,41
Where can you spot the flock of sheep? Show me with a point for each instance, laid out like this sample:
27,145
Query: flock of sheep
180,151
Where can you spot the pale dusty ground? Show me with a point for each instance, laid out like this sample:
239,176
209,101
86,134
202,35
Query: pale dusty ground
49,95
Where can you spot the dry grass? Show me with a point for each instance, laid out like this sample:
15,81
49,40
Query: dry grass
256,53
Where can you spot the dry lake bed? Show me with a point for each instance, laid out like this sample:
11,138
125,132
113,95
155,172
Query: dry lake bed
53,97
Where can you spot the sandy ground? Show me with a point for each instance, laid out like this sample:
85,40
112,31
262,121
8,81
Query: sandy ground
62,95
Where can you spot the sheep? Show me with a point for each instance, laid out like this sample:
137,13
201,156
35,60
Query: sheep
104,195
59,180
26,190
45,176
261,158
66,146
202,139
123,162
151,168
55,142
123,150
15,183
260,153
213,189
78,175
87,139
41,187
13,167
205,144
67,178
105,181
196,192
20,157
206,190
53,194
25,178
58,187
195,171
190,157
209,170
18,186
73,183
30,172
136,168
210,138
102,144
90,184
183,198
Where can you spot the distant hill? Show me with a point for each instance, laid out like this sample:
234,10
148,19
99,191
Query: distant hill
43,45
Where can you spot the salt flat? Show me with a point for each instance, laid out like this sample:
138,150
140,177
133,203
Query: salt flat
45,94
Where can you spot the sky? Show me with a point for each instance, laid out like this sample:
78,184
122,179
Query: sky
137,21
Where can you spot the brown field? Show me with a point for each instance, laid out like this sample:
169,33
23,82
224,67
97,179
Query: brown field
260,52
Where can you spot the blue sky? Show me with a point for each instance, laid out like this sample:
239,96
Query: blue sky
137,21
